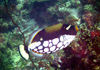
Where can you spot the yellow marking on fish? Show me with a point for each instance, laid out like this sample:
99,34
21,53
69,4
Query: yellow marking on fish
76,28
54,28
36,52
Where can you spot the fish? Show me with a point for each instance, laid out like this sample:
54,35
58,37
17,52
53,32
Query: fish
49,40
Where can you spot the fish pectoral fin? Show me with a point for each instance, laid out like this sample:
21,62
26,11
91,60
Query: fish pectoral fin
23,53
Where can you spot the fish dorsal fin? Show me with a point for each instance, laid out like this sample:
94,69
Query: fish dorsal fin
53,28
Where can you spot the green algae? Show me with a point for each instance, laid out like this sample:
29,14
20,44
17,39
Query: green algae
88,7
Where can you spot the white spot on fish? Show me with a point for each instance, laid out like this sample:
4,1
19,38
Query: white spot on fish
52,48
46,49
59,44
35,49
61,47
32,46
40,47
38,43
71,38
61,38
41,39
68,37
49,40
66,44
45,43
56,49
50,44
55,41
41,51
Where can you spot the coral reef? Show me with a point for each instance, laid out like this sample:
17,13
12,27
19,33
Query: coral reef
82,54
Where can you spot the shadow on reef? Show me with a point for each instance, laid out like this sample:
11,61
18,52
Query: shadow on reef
40,14
3,12
6,29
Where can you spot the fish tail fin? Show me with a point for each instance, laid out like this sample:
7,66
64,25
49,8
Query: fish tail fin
23,52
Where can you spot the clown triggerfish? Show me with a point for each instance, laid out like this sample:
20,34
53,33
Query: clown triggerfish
49,40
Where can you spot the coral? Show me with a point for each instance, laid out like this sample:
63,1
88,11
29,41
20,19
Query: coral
9,56
19,6
67,11
82,54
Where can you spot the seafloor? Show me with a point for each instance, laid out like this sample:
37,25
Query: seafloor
20,18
